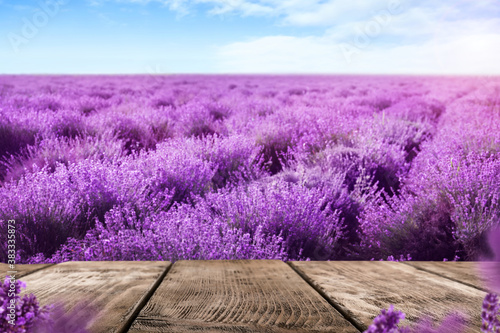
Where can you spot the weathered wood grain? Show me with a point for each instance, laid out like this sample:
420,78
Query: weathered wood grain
470,273
114,289
22,270
361,289
237,296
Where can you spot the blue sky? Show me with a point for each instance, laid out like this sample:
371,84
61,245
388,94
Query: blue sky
250,36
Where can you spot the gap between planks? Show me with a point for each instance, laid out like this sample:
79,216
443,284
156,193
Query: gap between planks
360,326
145,299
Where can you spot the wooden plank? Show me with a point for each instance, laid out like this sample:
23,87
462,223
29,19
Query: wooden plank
361,289
237,296
469,273
22,270
116,289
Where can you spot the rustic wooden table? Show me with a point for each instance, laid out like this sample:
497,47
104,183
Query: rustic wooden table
257,295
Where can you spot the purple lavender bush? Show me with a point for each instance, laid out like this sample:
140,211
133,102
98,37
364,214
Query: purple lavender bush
307,167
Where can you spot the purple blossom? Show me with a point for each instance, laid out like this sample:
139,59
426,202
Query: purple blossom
19,314
490,314
387,321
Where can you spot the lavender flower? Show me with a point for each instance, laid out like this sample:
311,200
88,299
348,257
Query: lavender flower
19,314
31,317
387,321
490,314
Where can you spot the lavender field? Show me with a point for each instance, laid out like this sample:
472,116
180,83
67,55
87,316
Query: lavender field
249,167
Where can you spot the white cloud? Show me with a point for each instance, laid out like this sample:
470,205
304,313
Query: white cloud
471,54
278,54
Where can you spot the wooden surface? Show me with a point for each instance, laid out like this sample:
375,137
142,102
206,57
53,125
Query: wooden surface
257,296
115,289
243,296
363,288
22,270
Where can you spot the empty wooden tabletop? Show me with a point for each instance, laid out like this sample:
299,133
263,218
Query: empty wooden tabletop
257,295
